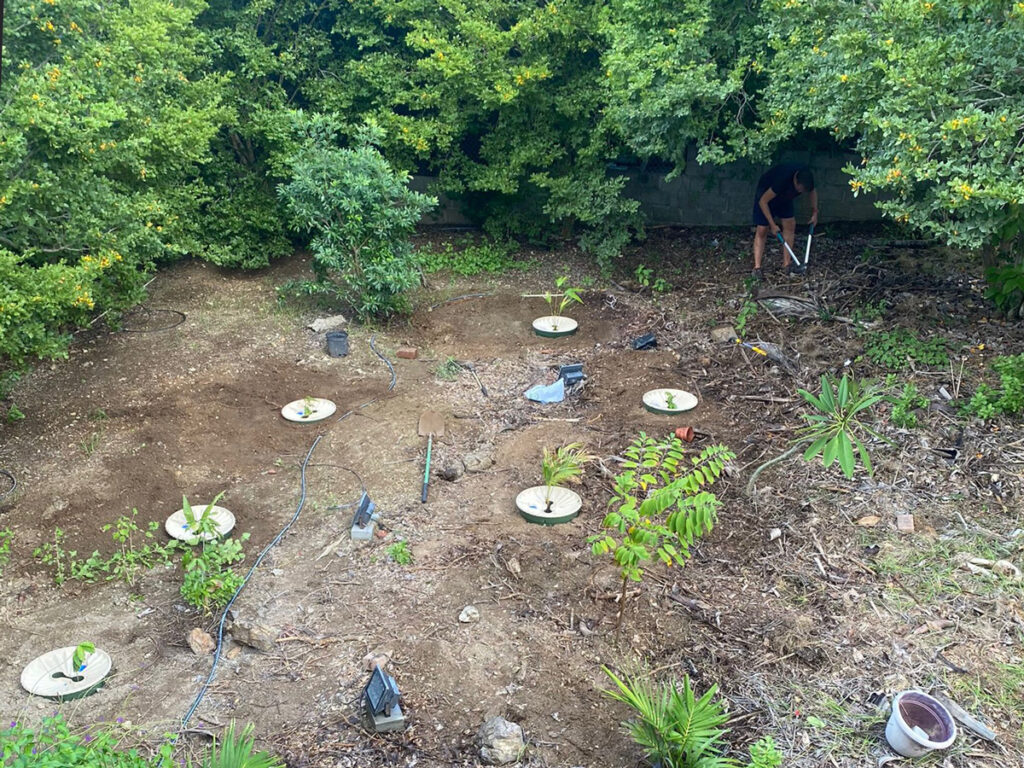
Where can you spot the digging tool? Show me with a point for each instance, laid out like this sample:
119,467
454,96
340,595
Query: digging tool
472,369
807,253
791,254
431,424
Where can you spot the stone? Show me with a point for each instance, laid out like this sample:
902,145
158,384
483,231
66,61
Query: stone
453,470
478,461
723,333
905,523
255,635
470,615
375,659
501,741
201,642
332,323
407,353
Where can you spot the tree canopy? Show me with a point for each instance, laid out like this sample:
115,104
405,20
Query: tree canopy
143,130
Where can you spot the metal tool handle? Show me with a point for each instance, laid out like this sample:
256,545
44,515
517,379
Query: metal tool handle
426,469
807,252
792,255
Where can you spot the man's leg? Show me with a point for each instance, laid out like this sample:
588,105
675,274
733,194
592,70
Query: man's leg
788,234
760,238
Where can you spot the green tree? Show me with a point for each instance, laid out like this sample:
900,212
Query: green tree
929,94
107,117
360,212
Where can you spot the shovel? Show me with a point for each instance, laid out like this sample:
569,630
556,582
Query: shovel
431,424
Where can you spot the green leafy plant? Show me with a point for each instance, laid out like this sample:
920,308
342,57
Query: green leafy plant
400,552
78,657
360,214
66,564
133,555
14,413
747,311
659,506
473,258
836,429
894,349
6,537
869,312
670,400
674,727
562,465
54,745
764,754
1008,400
205,525
1006,288
91,443
904,404
567,295
448,369
209,580
308,407
644,276
238,750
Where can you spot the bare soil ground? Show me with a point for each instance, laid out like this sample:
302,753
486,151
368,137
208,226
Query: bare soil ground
806,605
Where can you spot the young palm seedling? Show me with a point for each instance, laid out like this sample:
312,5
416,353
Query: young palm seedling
563,465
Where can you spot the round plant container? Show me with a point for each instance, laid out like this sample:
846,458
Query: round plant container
177,527
919,724
51,675
565,505
303,411
656,401
554,327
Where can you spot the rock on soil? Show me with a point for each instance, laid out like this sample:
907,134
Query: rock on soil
255,635
453,471
470,614
332,323
201,642
501,741
479,461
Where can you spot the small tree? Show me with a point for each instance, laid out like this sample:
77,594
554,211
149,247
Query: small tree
361,213
562,465
659,507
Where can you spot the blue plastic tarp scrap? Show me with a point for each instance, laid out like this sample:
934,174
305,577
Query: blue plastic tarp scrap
547,393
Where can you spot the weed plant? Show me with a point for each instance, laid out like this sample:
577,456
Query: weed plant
644,275
400,553
448,369
905,403
1008,400
54,745
894,350
6,537
747,311
467,257
209,581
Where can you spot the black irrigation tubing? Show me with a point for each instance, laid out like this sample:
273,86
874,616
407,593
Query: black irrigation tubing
14,484
180,319
227,608
391,386
362,485
459,298
266,549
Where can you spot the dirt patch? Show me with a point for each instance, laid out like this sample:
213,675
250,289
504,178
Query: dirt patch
792,606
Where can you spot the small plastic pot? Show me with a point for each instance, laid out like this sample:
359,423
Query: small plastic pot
919,724
337,343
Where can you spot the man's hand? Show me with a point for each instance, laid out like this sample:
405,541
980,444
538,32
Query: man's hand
814,218
774,227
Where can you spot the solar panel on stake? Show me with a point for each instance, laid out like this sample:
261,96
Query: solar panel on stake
381,698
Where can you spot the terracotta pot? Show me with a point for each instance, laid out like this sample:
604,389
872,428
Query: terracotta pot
685,434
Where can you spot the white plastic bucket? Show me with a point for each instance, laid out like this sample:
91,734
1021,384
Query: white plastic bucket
919,724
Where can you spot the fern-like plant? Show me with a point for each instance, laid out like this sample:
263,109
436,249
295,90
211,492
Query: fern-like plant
674,727
562,465
659,507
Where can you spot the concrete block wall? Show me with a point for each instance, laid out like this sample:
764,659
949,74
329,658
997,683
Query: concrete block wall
717,195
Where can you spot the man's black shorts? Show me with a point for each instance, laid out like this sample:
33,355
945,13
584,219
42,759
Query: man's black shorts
781,209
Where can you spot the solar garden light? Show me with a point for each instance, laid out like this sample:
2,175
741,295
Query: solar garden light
365,519
381,698
571,374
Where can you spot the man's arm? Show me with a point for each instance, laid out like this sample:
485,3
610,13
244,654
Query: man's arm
814,206
766,198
